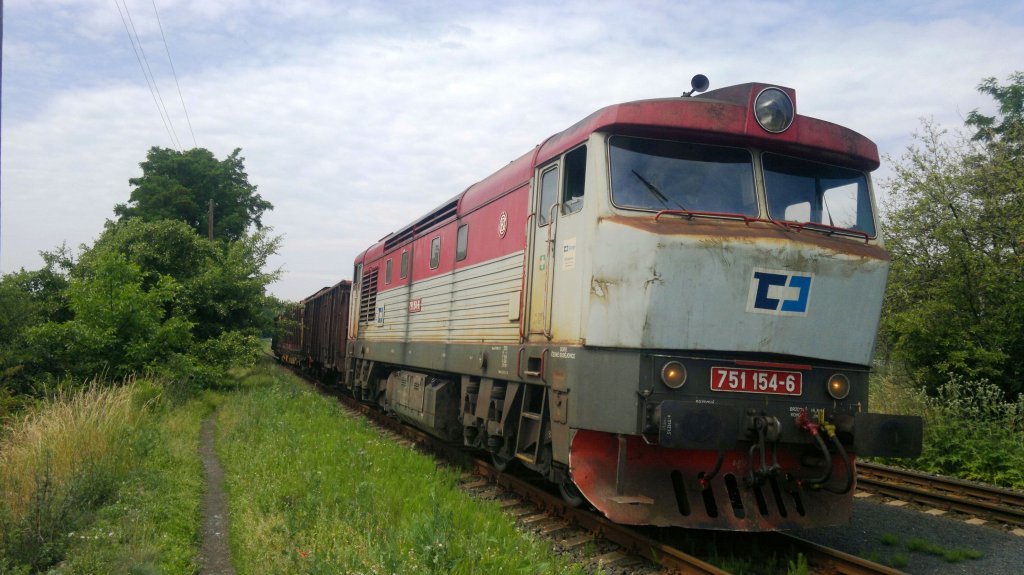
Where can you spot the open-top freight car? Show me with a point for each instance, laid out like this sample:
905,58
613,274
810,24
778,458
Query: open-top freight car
668,309
314,333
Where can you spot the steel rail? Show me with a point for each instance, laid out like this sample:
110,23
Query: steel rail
827,559
1003,505
622,535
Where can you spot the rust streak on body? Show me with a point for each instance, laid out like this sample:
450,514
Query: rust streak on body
721,229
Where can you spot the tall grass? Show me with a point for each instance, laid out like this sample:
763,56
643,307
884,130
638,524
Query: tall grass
57,464
314,491
72,470
970,430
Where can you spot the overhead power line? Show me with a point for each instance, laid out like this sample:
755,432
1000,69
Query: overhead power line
147,72
175,74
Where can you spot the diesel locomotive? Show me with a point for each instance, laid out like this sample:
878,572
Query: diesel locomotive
668,310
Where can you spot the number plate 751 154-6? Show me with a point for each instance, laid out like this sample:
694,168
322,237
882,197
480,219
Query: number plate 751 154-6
756,381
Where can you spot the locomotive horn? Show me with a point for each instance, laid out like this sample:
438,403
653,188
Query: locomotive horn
698,83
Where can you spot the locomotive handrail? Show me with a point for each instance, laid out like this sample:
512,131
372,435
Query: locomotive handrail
519,362
799,226
527,262
690,213
549,283
786,225
540,370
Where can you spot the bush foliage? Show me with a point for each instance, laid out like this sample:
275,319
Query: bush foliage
970,430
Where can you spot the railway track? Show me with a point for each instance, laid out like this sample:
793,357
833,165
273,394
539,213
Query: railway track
946,493
660,547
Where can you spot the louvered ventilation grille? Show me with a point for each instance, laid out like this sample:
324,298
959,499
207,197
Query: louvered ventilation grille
368,299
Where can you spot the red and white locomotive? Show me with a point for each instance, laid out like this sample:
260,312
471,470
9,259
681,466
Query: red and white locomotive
668,309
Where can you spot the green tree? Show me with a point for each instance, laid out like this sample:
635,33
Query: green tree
179,185
955,230
29,299
1008,124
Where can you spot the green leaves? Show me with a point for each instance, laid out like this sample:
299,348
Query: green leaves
179,186
120,324
955,230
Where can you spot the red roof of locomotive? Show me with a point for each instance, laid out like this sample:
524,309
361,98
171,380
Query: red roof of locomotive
724,116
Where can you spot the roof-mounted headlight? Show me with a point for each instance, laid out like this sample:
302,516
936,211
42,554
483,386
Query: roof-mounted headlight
773,110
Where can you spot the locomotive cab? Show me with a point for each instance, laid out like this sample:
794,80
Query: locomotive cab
709,305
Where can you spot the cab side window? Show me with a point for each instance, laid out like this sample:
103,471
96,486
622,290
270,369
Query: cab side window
548,194
435,252
462,243
575,179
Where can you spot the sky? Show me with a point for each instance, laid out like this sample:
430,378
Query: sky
356,117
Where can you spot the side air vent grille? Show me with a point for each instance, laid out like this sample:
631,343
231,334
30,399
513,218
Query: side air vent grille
368,297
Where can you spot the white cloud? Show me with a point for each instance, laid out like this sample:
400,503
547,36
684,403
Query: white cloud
356,119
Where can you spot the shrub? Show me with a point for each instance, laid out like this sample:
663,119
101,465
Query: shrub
970,430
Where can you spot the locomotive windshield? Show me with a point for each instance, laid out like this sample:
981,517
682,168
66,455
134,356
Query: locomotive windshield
803,191
652,174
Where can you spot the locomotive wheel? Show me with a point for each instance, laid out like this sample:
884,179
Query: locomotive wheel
502,463
570,493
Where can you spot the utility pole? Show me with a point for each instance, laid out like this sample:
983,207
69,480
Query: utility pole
1,105
209,215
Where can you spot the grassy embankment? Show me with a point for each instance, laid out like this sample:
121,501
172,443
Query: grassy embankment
108,480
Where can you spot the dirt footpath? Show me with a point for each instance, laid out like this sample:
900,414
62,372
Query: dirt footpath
214,557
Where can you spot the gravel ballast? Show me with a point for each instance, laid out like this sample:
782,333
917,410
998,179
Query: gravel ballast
1001,552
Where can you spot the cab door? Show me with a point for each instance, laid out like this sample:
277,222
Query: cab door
555,224
544,234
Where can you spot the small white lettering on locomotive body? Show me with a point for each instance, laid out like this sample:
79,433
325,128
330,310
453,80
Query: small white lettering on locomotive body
569,254
564,353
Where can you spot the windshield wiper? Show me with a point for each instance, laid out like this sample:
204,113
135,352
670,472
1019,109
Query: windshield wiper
656,192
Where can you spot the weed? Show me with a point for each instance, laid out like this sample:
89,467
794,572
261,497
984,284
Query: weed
918,545
799,567
890,539
959,555
58,463
954,555
899,560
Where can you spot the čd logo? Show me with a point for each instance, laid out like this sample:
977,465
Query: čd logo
779,292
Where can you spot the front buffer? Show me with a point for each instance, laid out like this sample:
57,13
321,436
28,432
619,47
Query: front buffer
635,482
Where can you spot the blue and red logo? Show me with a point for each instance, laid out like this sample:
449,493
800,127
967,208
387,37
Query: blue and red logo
779,292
